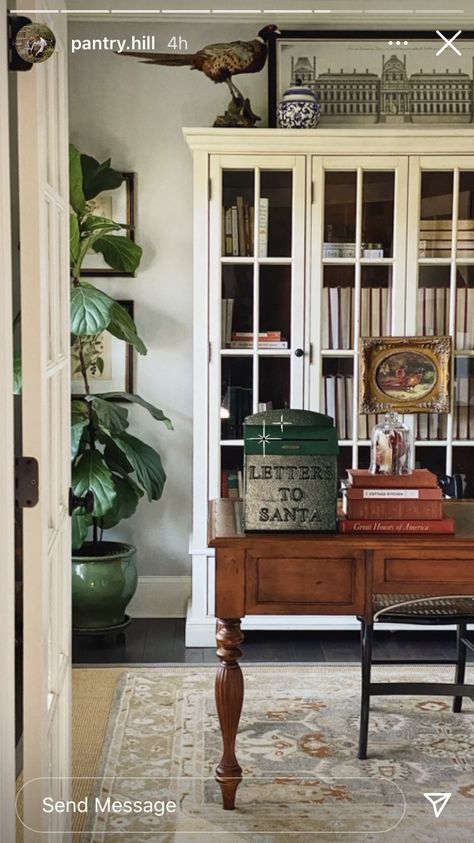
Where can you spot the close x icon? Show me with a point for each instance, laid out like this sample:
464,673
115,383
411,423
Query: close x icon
448,42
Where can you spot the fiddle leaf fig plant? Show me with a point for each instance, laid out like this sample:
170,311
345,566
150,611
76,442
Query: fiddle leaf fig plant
117,467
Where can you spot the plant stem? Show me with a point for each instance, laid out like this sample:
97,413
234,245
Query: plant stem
91,423
83,367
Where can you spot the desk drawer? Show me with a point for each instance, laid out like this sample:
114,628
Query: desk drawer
304,585
433,570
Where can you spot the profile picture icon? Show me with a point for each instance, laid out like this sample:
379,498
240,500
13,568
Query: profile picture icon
35,43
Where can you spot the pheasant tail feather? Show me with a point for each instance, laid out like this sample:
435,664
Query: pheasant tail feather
178,60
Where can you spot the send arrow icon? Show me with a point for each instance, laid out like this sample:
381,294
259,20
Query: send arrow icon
438,801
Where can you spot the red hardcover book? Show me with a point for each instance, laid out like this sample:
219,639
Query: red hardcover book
359,494
374,508
398,527
420,478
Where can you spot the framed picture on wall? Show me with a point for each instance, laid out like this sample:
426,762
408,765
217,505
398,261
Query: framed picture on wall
109,362
117,205
377,78
406,374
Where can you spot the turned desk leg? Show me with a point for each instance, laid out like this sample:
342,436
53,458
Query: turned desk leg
229,698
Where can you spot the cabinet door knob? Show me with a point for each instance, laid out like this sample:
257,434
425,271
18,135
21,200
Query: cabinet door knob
87,502
299,352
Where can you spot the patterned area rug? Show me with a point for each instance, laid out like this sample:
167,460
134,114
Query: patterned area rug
297,745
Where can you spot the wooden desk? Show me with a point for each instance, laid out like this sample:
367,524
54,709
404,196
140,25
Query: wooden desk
316,574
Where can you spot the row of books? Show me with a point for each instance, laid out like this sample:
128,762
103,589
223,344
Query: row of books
464,326
433,314
338,403
431,426
436,238
393,504
464,398
231,483
238,225
338,315
266,339
227,312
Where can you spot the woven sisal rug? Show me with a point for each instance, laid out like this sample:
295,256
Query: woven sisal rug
297,746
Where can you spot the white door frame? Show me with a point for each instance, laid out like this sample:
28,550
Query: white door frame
7,530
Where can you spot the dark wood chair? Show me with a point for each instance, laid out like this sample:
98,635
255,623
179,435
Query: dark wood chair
416,609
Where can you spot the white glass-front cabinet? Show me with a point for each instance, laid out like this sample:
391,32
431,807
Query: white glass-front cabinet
304,241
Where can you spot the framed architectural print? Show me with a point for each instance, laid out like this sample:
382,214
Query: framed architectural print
117,205
406,374
379,78
109,362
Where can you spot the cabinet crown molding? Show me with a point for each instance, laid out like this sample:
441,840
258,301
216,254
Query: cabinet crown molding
341,141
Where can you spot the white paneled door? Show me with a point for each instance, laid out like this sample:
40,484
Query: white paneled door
7,625
44,213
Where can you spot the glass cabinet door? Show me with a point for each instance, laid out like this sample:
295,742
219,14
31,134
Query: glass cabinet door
440,272
358,242
256,301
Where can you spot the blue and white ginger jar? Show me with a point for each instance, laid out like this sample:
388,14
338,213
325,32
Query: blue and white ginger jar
298,109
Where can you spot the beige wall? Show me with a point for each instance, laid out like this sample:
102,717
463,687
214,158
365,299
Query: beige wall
134,113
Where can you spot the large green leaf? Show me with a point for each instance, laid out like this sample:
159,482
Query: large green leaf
74,237
79,410
114,457
77,429
80,527
136,399
17,380
76,193
110,417
93,223
122,326
98,177
79,420
146,463
92,473
90,310
120,253
87,243
126,502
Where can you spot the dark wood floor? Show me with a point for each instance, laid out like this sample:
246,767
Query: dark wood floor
158,640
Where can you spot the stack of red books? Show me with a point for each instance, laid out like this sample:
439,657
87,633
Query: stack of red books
393,504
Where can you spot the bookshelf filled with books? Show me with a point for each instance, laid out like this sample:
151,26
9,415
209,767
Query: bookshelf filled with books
441,275
358,261
257,295
304,243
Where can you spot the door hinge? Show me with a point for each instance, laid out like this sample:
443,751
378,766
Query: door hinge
26,482
312,192
209,189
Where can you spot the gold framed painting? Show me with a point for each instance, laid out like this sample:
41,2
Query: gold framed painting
406,374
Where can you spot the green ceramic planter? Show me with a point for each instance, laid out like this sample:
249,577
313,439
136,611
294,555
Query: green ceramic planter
104,580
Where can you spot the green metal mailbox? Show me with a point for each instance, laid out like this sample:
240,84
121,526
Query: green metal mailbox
290,471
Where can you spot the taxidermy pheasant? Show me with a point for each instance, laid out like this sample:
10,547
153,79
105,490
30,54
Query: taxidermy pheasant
219,62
